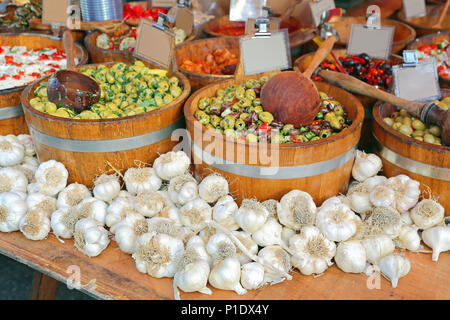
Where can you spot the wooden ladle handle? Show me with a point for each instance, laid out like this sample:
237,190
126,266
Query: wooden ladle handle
438,24
359,87
320,55
69,48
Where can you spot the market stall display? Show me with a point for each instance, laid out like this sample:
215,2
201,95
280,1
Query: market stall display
403,34
18,17
134,11
436,46
424,25
11,119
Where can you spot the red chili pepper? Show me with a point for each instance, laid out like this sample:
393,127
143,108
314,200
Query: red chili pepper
1,49
9,59
36,74
49,71
264,127
294,139
25,53
17,77
3,77
316,122
43,57
53,65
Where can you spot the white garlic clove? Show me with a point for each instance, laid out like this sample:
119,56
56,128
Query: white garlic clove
12,180
226,276
359,199
193,277
182,189
35,225
278,258
437,238
89,237
42,202
351,256
409,238
394,267
337,221
247,241
93,208
252,275
378,247
224,211
269,234
149,204
12,151
286,234
372,182
12,209
406,190
220,247
382,196
194,213
118,210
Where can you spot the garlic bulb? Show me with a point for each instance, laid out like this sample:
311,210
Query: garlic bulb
194,213
382,196
171,212
271,206
106,187
406,190
337,221
286,234
394,267
220,247
365,166
409,238
171,164
195,250
72,195
296,209
252,275
269,234
378,247
193,277
11,151
167,226
383,220
51,177
12,180
213,187
406,218
90,238
41,202
139,180
127,231
63,222
226,275
359,200
427,213
247,241
118,210
27,142
28,166
158,254
437,238
33,188
12,209
278,258
35,225
373,182
149,204
93,208
183,189
313,251
251,216
351,256
224,211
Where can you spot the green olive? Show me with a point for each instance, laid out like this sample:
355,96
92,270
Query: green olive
404,113
168,98
202,117
277,138
244,102
419,138
325,133
435,130
203,103
338,111
437,141
227,122
407,121
302,138
428,138
417,133
174,81
335,124
257,102
406,129
215,121
250,93
388,121
396,125
287,128
399,119
330,116
340,119
258,109
265,117
418,125
240,93
251,83
244,116
323,96
220,93
239,125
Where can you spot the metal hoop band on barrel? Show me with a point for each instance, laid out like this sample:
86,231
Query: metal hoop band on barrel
113,145
424,169
11,112
273,173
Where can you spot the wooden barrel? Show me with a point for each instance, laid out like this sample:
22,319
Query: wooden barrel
424,162
423,25
430,39
366,135
321,168
11,113
99,55
198,50
86,146
403,34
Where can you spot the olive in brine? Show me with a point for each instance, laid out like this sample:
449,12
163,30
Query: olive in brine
239,125
388,121
203,103
428,138
418,125
406,129
435,130
325,133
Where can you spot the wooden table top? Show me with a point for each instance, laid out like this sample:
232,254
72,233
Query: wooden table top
116,276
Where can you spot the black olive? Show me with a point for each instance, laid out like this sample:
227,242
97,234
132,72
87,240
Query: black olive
388,71
365,56
356,69
228,70
348,63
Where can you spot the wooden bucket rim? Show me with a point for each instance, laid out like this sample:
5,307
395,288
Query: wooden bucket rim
401,16
26,104
403,138
406,41
357,122
196,74
80,47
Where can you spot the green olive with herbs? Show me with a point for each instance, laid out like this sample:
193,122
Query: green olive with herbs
203,103
396,126
256,102
335,124
428,138
417,133
435,131
407,121
258,109
405,129
338,111
227,122
418,125
250,93
287,128
265,117
239,125
325,133
302,138
215,121
330,116
388,121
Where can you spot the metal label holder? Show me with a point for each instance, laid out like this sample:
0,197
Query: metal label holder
184,3
373,16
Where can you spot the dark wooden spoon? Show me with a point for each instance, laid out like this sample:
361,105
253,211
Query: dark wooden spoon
291,96
71,89
427,112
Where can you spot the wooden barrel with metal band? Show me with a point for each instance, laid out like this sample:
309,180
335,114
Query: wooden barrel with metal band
11,113
321,168
427,163
90,147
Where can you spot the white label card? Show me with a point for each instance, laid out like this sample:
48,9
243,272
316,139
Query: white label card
414,8
242,10
184,19
264,54
318,7
419,83
55,11
163,3
376,43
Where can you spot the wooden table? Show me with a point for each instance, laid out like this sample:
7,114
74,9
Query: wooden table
116,276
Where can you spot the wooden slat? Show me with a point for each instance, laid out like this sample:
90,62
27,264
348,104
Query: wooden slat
44,287
116,276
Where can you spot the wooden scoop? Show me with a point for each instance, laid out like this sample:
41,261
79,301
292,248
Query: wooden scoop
438,24
71,89
427,112
292,97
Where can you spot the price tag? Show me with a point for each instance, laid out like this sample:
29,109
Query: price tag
55,11
242,10
250,25
414,8
266,53
318,7
184,19
149,35
163,3
418,82
375,42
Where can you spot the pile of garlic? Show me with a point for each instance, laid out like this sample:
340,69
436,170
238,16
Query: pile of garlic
173,226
